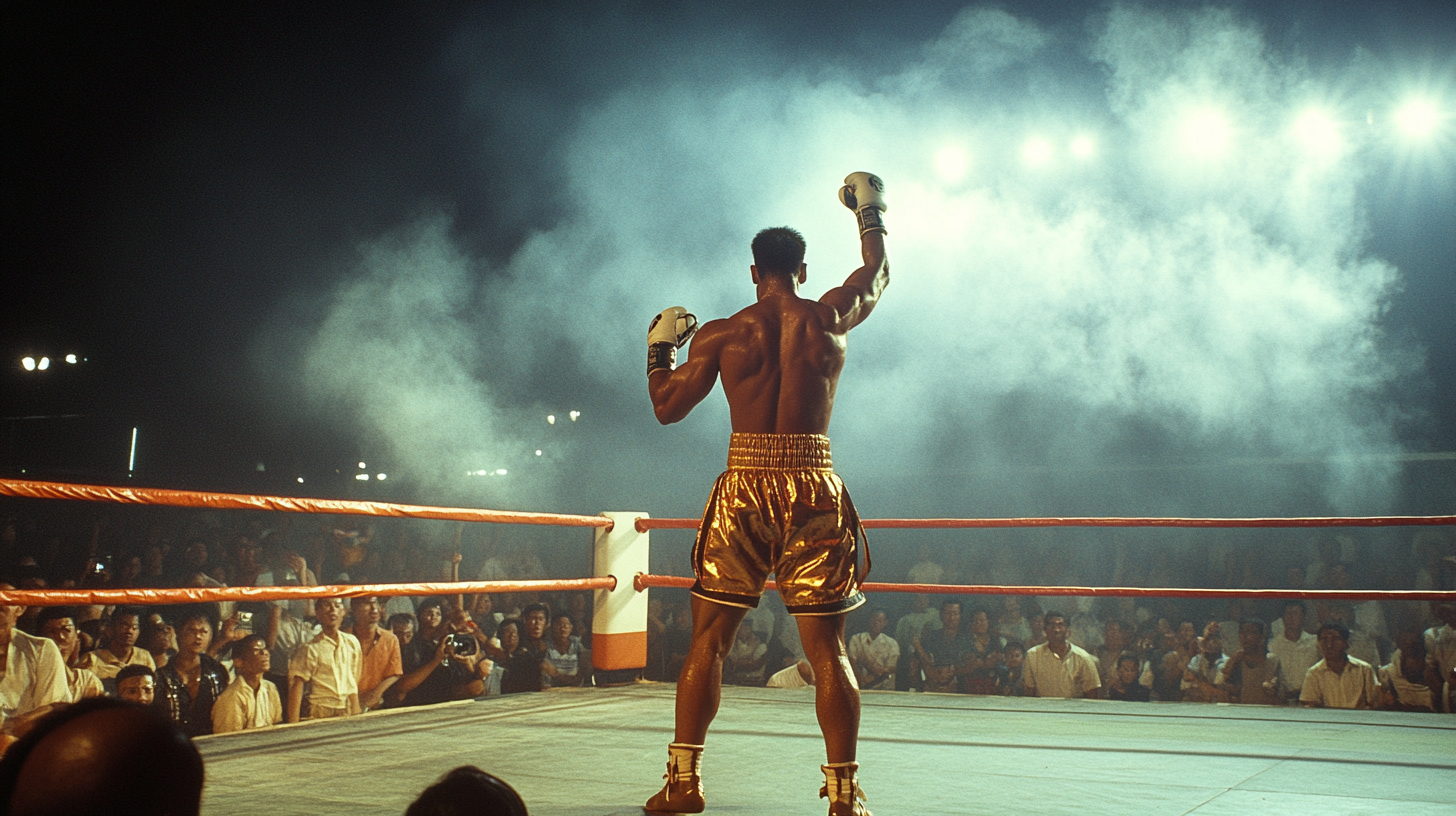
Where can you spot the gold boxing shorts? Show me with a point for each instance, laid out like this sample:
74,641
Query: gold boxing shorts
780,508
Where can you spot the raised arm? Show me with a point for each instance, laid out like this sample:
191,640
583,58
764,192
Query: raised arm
676,391
852,302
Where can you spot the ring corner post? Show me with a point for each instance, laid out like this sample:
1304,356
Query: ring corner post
619,616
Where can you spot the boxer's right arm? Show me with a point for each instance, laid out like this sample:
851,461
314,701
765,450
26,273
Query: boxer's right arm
852,302
677,391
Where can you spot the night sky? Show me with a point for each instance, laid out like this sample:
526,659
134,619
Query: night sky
306,235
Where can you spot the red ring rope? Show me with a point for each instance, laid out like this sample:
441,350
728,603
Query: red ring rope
236,501
148,597
645,524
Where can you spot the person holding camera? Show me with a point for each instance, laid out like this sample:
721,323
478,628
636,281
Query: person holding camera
439,663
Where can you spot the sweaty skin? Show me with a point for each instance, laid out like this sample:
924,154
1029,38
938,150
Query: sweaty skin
779,360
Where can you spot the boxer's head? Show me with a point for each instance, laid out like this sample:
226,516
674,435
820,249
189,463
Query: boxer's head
778,251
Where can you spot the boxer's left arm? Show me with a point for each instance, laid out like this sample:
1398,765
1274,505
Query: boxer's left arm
675,392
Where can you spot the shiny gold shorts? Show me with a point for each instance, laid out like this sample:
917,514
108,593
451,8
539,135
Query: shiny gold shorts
780,508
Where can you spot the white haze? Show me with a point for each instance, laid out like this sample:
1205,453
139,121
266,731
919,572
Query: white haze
1112,335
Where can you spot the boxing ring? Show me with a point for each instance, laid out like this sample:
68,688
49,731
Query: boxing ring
600,751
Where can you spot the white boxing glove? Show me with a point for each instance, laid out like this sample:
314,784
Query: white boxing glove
865,194
668,332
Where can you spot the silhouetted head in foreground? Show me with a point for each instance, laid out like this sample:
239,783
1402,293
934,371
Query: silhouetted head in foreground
468,791
102,757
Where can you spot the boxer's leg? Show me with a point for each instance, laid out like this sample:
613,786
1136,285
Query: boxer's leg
836,695
699,686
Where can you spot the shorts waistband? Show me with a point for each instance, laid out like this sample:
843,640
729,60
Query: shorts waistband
779,452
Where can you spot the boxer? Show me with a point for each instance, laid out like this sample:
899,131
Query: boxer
779,507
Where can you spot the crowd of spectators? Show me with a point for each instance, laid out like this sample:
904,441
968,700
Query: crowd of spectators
216,667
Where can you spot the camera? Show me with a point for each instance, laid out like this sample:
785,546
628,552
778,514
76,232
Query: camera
462,644
245,621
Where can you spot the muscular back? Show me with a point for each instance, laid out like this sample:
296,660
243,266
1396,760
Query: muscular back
779,358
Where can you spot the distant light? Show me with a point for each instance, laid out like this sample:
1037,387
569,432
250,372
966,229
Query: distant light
1418,118
300,480
480,473
538,452
1318,133
45,362
71,358
28,363
1083,147
951,163
382,476
362,466
550,419
131,458
261,467
361,477
574,415
1037,152
1206,133
501,472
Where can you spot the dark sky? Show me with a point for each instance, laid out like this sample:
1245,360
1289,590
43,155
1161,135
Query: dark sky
182,179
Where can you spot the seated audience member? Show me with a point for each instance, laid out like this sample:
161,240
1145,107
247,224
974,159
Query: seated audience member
1199,679
249,701
983,662
1441,646
158,638
382,664
1178,648
1296,649
1411,682
1362,643
744,664
799,675
567,663
192,681
1059,668
35,678
520,670
433,672
59,624
329,664
1124,685
873,655
102,757
944,651
1252,675
1339,681
1011,624
403,625
908,629
468,790
1011,682
286,633
120,649
1116,639
137,684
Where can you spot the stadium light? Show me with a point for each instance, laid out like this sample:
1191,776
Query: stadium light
71,358
381,477
574,415
951,163
538,451
1037,152
362,466
28,363
361,477
1206,133
45,362
1418,118
1083,147
550,419
1318,133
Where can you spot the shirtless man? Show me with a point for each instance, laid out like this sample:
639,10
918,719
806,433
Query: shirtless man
779,508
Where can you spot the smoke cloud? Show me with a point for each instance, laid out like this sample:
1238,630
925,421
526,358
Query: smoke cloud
1182,320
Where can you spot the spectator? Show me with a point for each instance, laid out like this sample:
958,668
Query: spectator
286,633
874,654
745,661
249,701
158,638
1116,637
1252,675
983,663
468,790
1124,685
1296,649
1441,647
191,682
59,624
943,652
120,650
35,674
382,664
1339,681
799,675
403,625
1010,682
1058,668
103,757
137,684
520,669
1200,678
1178,648
1011,624
907,630
433,671
567,663
1411,682
329,664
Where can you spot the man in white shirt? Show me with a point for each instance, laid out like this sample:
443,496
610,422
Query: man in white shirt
1058,668
330,663
249,701
1339,681
1441,646
33,675
1296,649
873,654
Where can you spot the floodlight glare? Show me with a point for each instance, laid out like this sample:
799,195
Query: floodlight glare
300,480
951,163
500,472
1038,151
45,362
362,477
381,477
1206,133
538,452
1083,147
1318,133
362,465
28,363
550,419
1418,118
575,415
71,358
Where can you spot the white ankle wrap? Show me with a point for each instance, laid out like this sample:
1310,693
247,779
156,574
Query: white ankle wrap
840,782
684,761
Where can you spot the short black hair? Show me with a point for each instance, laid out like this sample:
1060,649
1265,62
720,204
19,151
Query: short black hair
536,607
402,616
429,603
778,250
134,670
466,790
1293,602
1047,616
1259,622
1339,627
51,613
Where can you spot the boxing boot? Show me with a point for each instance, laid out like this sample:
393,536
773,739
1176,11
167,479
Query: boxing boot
842,789
683,792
